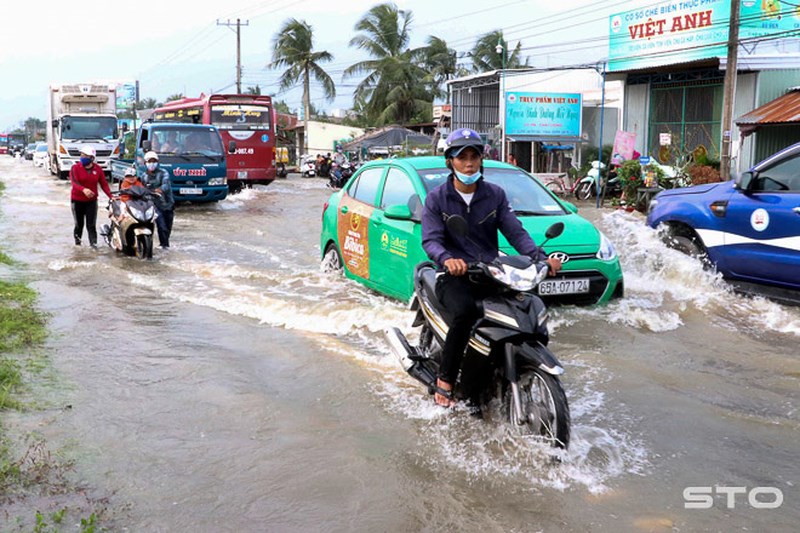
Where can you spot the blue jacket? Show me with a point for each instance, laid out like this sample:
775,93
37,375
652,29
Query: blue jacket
488,212
159,179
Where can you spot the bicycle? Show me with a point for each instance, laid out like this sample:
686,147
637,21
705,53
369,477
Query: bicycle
560,185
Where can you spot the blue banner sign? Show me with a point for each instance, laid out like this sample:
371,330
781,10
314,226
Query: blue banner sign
679,31
543,114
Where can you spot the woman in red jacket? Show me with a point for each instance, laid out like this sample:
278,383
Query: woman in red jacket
85,177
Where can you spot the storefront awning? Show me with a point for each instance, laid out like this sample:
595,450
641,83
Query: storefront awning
783,110
544,138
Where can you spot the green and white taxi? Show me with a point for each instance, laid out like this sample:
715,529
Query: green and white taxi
371,230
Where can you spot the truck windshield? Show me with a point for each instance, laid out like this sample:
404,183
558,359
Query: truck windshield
184,142
75,128
240,116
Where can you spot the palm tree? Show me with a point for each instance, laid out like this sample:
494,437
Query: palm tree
253,90
485,57
440,62
148,103
294,49
172,97
392,90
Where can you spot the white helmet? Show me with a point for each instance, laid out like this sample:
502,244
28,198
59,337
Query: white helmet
88,150
150,155
130,171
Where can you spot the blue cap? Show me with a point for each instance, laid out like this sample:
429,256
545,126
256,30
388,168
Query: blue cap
460,139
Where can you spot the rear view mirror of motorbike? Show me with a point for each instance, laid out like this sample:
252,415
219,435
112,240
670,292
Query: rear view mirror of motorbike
554,231
458,225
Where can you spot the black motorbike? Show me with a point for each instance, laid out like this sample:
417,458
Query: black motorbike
340,174
510,339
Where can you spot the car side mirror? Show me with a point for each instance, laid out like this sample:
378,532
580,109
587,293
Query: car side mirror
398,212
572,208
232,147
146,146
415,206
744,180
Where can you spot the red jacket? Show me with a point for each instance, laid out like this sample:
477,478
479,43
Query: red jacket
82,178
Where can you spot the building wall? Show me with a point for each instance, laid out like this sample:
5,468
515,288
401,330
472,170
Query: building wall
636,113
321,136
770,139
745,101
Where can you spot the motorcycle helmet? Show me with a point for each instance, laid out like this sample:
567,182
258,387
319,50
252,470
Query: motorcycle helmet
130,171
88,151
461,139
150,155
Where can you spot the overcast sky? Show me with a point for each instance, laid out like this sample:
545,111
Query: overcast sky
177,47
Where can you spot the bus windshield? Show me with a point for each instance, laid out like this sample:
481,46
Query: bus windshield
86,128
185,142
240,116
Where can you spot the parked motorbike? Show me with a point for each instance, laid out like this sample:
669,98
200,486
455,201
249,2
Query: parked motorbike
339,175
308,168
510,339
587,187
281,170
131,224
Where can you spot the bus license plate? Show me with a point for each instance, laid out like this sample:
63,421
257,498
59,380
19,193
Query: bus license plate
564,286
242,175
189,190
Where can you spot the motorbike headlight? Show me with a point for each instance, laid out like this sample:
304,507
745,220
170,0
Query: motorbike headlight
519,279
150,213
137,213
607,251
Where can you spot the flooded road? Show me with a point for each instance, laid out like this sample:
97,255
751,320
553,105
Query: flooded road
229,385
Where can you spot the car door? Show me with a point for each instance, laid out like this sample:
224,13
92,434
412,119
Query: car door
762,237
399,236
353,223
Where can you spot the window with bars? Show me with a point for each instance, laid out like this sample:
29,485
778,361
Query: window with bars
691,114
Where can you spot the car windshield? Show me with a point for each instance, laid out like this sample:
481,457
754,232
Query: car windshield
88,128
41,148
525,194
184,142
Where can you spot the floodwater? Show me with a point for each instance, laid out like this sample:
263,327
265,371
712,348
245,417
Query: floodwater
230,385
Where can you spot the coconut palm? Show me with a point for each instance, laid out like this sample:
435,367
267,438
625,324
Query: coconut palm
440,63
173,97
294,49
485,57
393,89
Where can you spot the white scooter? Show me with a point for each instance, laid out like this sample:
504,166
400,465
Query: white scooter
132,223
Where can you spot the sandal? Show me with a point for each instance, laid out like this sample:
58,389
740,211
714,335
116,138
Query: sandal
443,397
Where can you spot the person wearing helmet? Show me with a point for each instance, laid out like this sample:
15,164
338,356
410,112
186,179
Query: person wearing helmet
157,180
85,177
130,180
486,209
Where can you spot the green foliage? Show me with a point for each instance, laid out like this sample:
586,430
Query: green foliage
630,176
256,90
21,325
5,259
173,97
590,154
485,57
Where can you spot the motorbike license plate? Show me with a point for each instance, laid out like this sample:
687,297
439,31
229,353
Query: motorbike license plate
564,286
242,174
189,190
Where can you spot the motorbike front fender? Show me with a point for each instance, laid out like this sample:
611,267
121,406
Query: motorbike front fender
540,356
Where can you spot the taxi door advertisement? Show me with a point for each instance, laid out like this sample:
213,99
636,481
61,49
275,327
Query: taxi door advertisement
353,235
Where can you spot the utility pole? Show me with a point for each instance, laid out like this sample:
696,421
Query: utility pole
238,25
729,90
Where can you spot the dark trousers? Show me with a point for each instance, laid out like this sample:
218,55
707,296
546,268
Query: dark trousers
460,300
164,226
85,213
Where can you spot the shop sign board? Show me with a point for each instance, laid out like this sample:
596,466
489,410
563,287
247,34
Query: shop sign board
543,114
687,30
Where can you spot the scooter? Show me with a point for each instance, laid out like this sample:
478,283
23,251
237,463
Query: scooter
339,175
508,344
132,223
308,168
587,187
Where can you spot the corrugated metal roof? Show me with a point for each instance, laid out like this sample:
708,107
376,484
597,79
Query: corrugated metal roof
783,110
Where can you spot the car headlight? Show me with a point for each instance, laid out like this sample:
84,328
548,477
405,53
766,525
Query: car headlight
213,182
606,251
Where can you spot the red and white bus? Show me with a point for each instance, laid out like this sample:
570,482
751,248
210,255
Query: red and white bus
245,118
3,143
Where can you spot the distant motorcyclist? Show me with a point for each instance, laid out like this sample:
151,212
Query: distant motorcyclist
157,180
486,209
85,175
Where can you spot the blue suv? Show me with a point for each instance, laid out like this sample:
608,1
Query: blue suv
749,229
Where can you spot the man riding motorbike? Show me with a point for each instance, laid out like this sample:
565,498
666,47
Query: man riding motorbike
486,209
